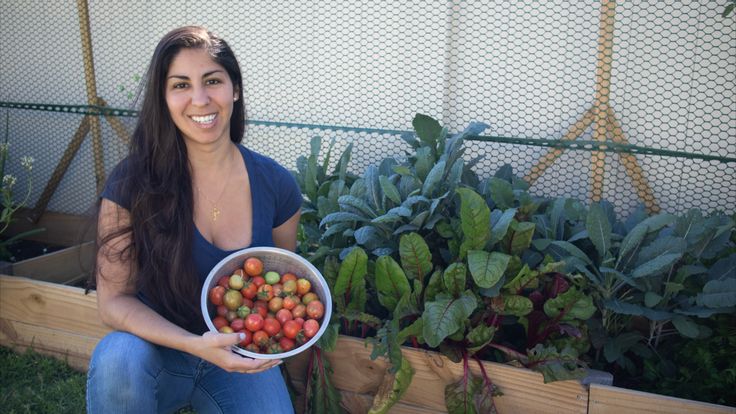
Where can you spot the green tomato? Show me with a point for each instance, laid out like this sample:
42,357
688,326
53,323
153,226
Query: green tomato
243,311
272,277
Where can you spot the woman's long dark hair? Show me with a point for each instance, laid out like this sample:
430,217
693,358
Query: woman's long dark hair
158,181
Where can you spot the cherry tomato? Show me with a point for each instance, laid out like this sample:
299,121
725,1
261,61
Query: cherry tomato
278,289
283,315
260,307
216,295
261,339
259,281
253,266
252,347
237,324
310,327
287,344
247,340
271,326
288,276
219,322
315,309
308,297
300,321
231,315
232,299
221,310
236,282
303,286
265,292
289,287
224,281
290,302
275,304
291,329
299,311
249,289
254,322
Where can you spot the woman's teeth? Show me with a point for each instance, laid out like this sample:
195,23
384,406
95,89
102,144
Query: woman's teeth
204,119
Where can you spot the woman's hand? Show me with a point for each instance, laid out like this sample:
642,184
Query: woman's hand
215,348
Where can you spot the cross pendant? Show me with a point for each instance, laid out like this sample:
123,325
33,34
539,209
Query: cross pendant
215,213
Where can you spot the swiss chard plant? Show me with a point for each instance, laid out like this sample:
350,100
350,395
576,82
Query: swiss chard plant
653,277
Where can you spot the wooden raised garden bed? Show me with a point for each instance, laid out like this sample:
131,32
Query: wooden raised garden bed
62,321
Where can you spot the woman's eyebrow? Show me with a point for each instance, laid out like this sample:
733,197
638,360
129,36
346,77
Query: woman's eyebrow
204,76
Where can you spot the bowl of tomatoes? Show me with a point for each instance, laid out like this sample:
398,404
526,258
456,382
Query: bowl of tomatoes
276,298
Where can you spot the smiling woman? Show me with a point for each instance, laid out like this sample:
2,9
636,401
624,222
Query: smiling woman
159,238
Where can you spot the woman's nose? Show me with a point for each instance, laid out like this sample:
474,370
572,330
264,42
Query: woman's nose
200,97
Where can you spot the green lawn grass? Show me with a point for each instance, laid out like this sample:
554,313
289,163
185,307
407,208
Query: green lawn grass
34,383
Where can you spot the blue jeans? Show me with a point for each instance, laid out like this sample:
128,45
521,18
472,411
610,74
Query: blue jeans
130,375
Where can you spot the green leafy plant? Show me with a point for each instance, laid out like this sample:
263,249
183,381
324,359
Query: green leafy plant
9,205
419,251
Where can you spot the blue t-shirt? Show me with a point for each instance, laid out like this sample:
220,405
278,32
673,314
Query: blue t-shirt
275,198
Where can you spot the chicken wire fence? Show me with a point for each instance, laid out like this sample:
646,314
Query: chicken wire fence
633,102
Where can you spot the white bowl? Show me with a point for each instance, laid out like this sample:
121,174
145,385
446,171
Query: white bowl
281,261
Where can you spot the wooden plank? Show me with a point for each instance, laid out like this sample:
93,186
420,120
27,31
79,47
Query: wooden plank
355,403
61,266
612,400
50,305
524,390
61,229
69,347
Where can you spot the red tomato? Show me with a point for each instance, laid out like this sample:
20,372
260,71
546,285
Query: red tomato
237,324
259,281
310,328
265,292
261,308
248,338
299,311
224,281
275,304
303,286
216,295
221,310
315,309
253,266
278,289
248,302
290,302
252,347
261,339
300,321
271,326
291,329
287,344
254,322
249,289
288,276
219,322
283,315
274,349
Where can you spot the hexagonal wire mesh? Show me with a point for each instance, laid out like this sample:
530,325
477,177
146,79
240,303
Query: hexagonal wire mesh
645,73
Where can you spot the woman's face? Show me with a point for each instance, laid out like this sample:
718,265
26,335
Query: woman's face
199,96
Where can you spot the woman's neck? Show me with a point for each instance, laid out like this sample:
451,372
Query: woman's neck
211,163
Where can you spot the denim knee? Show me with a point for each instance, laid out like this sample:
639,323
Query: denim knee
122,371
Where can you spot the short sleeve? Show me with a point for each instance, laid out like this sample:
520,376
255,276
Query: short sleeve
113,189
289,197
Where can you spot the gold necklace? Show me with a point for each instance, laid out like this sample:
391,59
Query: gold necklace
215,211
